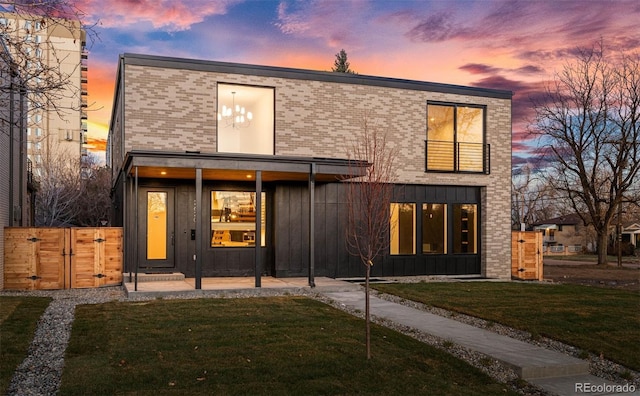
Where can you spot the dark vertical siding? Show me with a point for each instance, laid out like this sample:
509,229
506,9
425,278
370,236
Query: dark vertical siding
287,248
291,229
185,222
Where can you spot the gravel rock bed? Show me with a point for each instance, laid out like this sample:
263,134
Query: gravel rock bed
40,373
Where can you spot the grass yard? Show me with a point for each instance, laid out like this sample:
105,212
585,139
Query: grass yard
275,346
594,319
18,319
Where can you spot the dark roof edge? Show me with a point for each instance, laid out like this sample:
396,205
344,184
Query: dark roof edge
243,157
313,75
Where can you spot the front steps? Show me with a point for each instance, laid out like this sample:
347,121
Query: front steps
154,277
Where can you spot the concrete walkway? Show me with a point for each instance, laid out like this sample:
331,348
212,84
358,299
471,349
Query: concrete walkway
550,370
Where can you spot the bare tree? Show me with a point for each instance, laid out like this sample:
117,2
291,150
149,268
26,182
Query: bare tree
68,197
369,203
93,206
59,187
528,193
589,123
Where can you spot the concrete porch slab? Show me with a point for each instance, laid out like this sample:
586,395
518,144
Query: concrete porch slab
235,284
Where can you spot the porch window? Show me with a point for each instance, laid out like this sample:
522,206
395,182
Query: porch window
403,228
465,228
434,228
455,138
245,119
233,219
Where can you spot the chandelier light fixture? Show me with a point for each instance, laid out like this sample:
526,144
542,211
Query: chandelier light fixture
235,116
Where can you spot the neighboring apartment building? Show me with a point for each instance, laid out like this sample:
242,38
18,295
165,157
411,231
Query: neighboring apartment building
224,169
51,45
15,175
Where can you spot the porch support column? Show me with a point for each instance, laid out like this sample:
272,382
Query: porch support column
136,256
258,236
312,226
199,229
125,218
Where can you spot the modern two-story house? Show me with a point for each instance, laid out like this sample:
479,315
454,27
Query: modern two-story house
224,169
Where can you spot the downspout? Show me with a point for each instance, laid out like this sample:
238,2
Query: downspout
11,153
23,161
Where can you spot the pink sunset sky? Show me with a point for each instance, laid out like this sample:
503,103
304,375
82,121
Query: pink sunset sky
511,45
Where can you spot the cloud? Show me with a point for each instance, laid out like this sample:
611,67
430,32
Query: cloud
170,15
336,24
530,69
96,145
438,27
479,68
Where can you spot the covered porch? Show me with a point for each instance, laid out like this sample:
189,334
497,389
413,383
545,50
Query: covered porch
185,237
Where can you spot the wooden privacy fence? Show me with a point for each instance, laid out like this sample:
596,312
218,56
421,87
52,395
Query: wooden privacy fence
526,255
62,258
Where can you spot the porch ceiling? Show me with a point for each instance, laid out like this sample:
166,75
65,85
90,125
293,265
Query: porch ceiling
163,172
237,167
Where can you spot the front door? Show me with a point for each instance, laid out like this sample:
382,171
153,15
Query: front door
156,228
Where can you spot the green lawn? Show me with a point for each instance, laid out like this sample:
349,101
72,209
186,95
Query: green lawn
271,346
611,259
18,319
598,320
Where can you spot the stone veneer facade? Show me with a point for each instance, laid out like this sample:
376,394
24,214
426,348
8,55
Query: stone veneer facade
173,108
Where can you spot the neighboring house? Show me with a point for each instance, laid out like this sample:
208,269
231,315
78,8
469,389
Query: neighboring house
224,169
15,175
60,46
631,234
563,231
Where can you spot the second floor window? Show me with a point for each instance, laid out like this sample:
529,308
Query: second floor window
455,138
245,119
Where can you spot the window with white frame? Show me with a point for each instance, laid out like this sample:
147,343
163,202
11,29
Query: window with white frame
245,119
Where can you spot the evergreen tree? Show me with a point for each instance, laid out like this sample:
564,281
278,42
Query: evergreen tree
341,64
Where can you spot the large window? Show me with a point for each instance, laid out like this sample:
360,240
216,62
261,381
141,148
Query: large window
444,229
233,219
455,138
245,119
403,228
465,228
434,228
